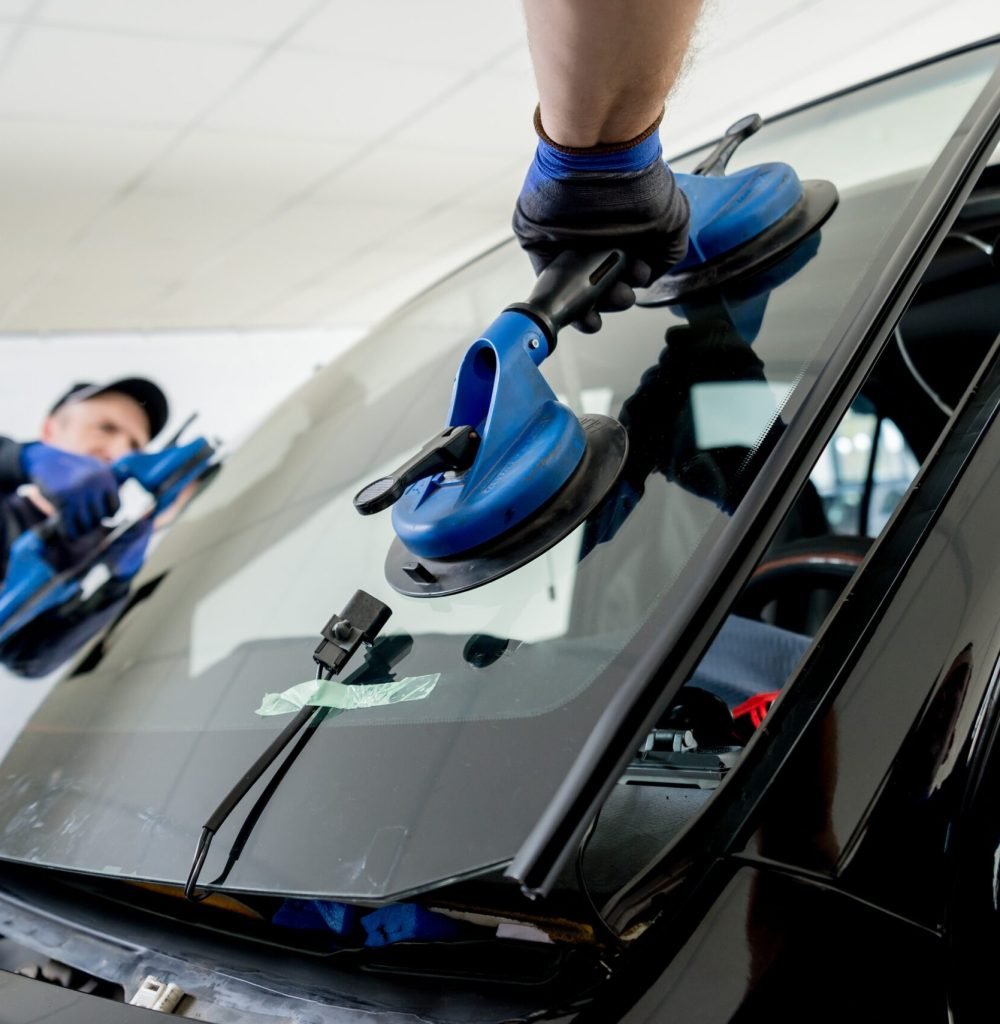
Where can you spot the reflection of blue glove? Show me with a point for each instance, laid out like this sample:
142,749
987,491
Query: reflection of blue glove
166,473
125,556
609,197
82,488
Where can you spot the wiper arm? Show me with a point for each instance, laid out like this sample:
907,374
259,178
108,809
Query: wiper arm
378,663
360,622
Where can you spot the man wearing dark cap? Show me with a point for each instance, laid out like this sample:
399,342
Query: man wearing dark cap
131,406
67,470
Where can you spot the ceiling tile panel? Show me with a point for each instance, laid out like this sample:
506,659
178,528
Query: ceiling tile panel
211,164
333,231
305,305
238,20
460,34
442,231
413,174
32,227
18,267
344,285
88,76
377,299
517,62
320,96
193,230
40,159
491,114
224,293
79,303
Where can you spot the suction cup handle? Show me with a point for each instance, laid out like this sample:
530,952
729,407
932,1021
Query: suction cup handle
454,448
714,165
570,286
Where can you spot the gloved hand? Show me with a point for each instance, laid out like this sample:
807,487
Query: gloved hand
610,197
82,488
165,474
126,555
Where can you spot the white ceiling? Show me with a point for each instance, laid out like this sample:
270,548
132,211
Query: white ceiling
258,163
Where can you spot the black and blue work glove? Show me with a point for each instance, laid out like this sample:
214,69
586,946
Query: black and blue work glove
82,488
620,196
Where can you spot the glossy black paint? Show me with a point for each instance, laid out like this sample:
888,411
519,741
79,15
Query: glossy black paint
774,947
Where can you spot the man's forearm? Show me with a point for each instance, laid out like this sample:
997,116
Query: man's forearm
605,67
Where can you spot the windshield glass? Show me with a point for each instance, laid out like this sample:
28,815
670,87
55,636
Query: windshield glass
126,758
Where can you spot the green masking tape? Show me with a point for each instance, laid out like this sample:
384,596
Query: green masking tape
329,693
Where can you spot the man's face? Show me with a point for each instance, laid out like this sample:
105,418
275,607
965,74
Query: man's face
106,427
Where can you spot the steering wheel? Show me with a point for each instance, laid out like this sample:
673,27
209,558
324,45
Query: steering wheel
797,582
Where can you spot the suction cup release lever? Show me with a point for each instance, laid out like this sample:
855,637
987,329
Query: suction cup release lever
454,448
569,287
714,165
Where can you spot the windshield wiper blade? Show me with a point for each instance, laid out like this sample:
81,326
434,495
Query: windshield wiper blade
360,622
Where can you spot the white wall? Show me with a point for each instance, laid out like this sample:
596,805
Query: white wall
230,378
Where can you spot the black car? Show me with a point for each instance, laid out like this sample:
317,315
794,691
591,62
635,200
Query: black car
726,753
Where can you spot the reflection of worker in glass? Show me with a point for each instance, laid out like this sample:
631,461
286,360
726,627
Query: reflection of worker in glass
66,472
67,569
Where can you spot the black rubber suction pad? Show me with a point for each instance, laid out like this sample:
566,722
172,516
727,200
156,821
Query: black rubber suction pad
593,478
817,203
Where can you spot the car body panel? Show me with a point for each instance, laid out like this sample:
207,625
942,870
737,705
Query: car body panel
756,954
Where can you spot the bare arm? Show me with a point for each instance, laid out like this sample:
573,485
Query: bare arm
605,67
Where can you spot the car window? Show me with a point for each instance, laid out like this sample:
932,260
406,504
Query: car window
863,472
159,719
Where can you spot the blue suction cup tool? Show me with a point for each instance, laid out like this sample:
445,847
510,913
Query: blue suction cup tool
740,222
515,471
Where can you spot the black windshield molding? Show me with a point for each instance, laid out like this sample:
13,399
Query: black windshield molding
650,671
